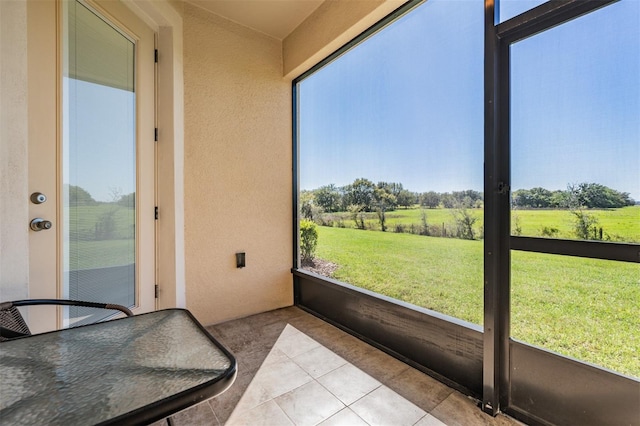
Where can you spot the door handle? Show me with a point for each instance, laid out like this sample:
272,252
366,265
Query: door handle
39,224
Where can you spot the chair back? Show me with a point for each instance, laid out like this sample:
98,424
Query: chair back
12,324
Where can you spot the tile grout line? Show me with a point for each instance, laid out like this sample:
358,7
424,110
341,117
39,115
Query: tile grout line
315,379
388,382
282,409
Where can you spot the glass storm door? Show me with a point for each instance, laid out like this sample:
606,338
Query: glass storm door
100,178
100,174
99,164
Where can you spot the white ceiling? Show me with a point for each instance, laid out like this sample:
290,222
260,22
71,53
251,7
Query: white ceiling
277,18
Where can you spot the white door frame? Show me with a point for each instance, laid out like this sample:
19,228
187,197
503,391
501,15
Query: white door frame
45,109
166,20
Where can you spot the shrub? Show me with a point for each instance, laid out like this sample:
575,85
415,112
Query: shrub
464,223
308,239
549,231
585,225
425,226
516,225
325,221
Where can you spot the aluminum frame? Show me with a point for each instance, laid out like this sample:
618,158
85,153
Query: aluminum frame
503,385
496,248
444,347
529,395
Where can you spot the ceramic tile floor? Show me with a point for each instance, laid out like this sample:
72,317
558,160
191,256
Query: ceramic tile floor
295,369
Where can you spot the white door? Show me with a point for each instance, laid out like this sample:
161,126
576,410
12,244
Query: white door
92,155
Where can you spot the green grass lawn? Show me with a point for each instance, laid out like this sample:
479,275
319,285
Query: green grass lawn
101,235
620,224
101,221
583,308
409,268
101,254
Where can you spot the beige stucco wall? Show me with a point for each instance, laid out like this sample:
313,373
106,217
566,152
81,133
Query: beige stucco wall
237,169
14,207
332,25
237,151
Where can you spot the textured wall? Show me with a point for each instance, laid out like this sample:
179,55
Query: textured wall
14,208
237,169
328,28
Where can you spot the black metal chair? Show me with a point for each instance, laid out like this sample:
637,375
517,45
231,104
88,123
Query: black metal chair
12,325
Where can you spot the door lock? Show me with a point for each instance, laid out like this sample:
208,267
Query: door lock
39,224
38,198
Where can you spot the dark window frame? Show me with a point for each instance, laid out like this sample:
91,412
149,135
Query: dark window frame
498,241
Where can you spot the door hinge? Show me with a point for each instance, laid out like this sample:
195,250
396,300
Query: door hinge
155,134
155,56
156,291
155,215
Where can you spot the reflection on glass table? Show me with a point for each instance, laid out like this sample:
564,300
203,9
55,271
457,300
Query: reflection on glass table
133,370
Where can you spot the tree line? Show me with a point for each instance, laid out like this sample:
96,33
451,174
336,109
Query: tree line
582,195
366,196
79,196
102,223
363,196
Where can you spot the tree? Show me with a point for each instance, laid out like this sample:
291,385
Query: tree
106,226
406,198
582,195
594,195
128,200
520,198
357,214
430,199
534,198
360,193
559,199
466,198
540,197
306,204
328,198
448,201
393,188
382,201
80,197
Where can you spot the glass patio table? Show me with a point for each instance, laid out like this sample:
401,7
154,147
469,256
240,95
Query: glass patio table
132,370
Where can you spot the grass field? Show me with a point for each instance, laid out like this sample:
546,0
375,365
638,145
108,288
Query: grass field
584,308
101,221
101,235
620,224
100,254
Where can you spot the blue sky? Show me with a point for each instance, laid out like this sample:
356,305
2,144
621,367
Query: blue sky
590,131
407,104
507,9
100,139
99,107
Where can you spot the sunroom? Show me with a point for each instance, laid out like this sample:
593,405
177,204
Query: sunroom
453,182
